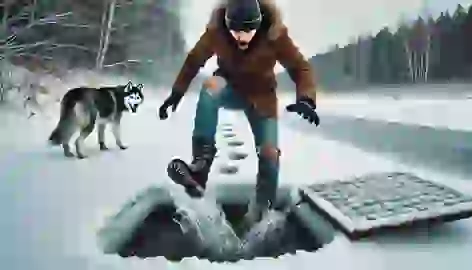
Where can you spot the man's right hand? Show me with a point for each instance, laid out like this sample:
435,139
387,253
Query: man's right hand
173,100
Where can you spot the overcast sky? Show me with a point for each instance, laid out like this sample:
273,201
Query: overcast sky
317,24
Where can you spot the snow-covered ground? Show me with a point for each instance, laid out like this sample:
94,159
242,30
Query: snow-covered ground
52,207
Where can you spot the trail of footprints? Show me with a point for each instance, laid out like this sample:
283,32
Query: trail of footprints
235,155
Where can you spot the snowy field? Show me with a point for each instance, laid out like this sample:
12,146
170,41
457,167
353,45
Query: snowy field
52,207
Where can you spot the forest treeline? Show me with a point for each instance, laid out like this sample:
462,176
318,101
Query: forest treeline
120,36
428,49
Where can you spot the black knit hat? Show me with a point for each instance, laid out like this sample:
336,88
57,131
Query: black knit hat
243,15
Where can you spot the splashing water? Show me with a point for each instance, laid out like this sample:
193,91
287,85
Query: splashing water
204,221
263,235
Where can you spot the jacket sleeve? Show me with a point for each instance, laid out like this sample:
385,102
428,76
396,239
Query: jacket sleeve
298,68
196,59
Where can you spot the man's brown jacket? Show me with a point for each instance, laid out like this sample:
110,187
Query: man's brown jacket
250,73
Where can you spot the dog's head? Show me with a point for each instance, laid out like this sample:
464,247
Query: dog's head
133,96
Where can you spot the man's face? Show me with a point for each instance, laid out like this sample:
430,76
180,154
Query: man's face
243,38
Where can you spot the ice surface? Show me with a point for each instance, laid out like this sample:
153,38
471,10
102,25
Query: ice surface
53,207
442,113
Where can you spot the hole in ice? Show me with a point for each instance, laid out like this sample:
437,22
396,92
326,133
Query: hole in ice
182,227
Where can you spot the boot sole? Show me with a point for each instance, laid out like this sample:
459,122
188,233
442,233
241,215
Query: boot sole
180,173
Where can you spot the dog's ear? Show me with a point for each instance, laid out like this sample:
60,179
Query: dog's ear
140,86
128,86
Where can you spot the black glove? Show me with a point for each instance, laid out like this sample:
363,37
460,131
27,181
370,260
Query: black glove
306,108
173,100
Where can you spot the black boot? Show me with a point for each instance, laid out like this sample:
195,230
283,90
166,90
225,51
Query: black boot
265,195
194,176
203,154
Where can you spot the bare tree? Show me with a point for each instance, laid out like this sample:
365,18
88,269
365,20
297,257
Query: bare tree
4,75
107,22
403,32
11,47
425,35
427,51
421,42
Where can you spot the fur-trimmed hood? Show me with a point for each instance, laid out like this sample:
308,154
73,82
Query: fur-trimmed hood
269,9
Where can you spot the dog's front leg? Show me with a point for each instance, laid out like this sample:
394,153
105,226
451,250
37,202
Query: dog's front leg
116,129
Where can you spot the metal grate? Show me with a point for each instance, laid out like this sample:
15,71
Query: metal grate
379,200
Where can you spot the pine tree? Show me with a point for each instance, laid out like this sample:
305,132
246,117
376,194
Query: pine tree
466,33
457,42
446,41
380,69
399,59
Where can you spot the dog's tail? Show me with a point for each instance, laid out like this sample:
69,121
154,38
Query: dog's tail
58,135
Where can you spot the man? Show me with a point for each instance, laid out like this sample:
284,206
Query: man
248,38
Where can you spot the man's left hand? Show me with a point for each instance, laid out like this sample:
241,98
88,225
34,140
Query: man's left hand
306,108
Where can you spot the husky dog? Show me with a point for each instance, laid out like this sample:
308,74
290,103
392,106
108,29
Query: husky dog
82,107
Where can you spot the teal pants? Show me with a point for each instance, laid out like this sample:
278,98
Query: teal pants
264,129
